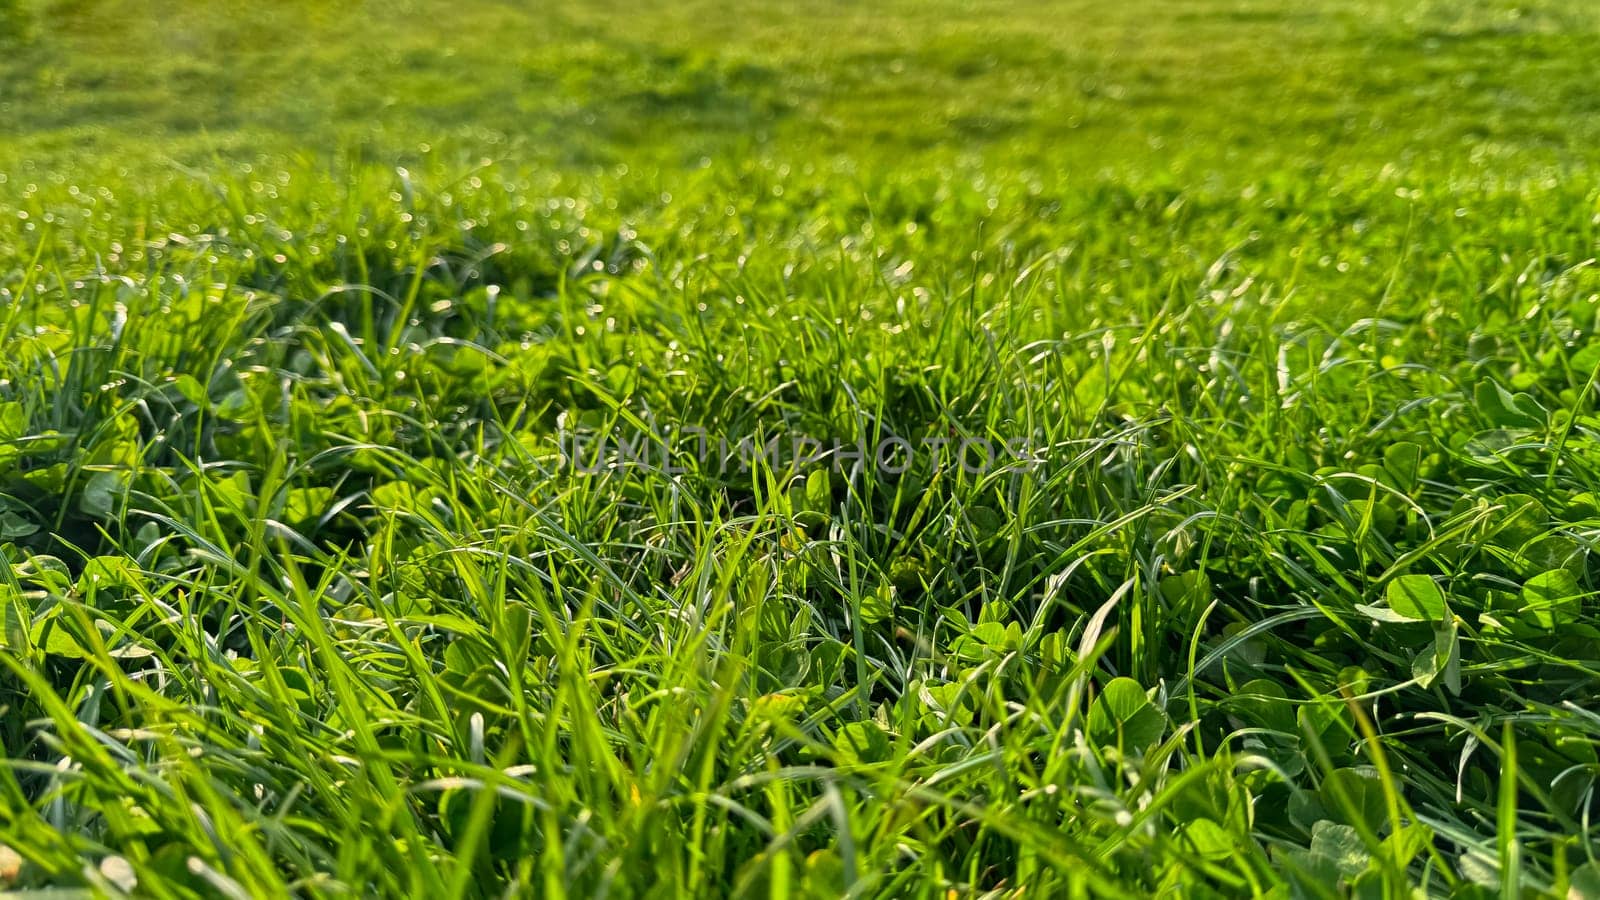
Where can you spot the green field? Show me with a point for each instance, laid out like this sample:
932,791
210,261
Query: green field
941,449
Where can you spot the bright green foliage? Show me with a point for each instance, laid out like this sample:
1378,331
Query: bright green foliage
1290,311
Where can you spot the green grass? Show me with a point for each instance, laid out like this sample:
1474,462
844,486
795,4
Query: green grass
1290,308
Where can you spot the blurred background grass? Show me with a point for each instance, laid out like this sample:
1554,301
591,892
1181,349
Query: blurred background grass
1219,87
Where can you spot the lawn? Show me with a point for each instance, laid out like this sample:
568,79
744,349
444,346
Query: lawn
801,449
